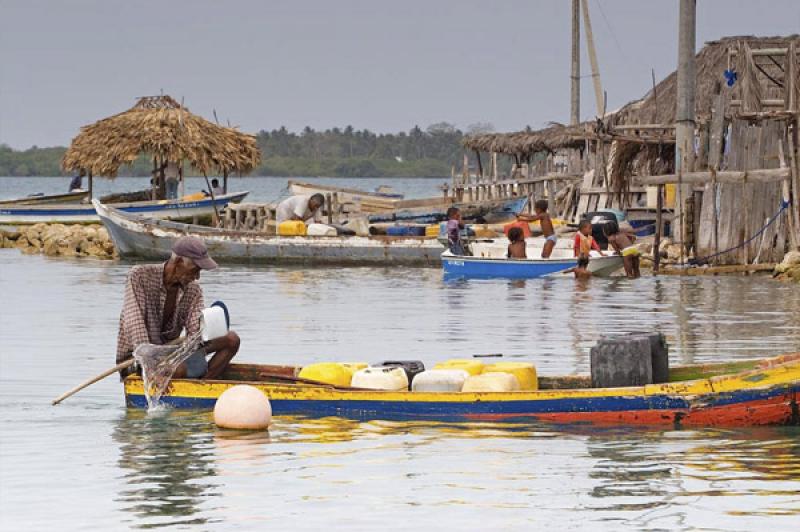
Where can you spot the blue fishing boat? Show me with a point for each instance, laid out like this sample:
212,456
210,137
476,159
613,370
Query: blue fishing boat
179,209
458,266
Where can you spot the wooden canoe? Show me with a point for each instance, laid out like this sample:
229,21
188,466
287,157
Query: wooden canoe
145,237
68,197
369,201
743,393
179,209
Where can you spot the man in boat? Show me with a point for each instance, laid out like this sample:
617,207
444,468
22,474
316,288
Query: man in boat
216,190
302,208
163,299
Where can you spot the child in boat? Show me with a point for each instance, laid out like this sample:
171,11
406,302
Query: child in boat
622,242
516,249
584,242
454,227
581,270
543,217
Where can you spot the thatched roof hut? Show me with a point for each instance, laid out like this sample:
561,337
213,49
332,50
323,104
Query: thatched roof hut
523,143
656,107
659,104
163,128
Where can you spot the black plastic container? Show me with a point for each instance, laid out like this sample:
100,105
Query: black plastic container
411,367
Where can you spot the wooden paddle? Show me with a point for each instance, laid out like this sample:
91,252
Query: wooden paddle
106,373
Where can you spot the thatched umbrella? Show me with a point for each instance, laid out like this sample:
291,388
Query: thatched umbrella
161,127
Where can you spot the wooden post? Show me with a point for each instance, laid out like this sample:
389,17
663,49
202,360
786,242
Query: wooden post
480,165
335,207
679,212
329,203
575,78
685,111
183,184
598,87
91,185
743,235
715,215
786,190
154,180
494,166
795,163
659,228
225,181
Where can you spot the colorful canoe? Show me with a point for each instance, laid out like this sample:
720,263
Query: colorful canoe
144,237
457,266
180,209
744,393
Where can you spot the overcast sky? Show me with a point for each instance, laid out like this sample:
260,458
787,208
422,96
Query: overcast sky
382,65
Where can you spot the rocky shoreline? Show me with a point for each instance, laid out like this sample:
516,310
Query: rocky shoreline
59,240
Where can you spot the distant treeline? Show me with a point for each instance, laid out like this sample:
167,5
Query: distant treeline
334,152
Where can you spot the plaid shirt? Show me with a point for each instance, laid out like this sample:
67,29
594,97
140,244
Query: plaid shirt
143,310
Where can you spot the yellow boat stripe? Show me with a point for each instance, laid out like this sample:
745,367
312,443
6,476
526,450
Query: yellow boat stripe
760,378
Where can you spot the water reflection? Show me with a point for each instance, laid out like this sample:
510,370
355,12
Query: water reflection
166,462
656,473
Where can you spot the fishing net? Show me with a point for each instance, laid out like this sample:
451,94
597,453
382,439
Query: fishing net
159,362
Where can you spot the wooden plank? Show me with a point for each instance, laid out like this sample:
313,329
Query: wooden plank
761,175
625,127
659,228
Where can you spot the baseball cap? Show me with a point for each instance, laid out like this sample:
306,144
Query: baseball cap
193,248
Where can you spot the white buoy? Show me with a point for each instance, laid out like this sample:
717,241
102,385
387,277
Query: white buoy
243,407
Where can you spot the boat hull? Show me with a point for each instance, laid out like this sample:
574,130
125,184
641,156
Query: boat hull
369,201
492,211
68,198
489,268
763,396
78,214
139,237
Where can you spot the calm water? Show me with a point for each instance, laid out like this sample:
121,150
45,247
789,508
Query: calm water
262,189
90,464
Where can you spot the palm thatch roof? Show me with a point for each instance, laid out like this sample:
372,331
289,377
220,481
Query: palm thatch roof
523,143
657,107
163,128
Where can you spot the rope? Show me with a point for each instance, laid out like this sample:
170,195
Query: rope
704,260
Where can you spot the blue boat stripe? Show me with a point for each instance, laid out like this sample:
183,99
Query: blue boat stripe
429,409
90,211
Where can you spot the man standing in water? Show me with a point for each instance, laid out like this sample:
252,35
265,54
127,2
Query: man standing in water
163,299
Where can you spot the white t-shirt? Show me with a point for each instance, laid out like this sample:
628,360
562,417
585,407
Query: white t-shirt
171,171
294,206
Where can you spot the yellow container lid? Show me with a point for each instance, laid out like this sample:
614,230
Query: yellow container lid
334,373
473,367
525,372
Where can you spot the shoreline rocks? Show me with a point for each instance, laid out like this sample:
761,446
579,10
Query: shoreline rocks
59,240
789,269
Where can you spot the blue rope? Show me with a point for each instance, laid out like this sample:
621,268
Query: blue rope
704,260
